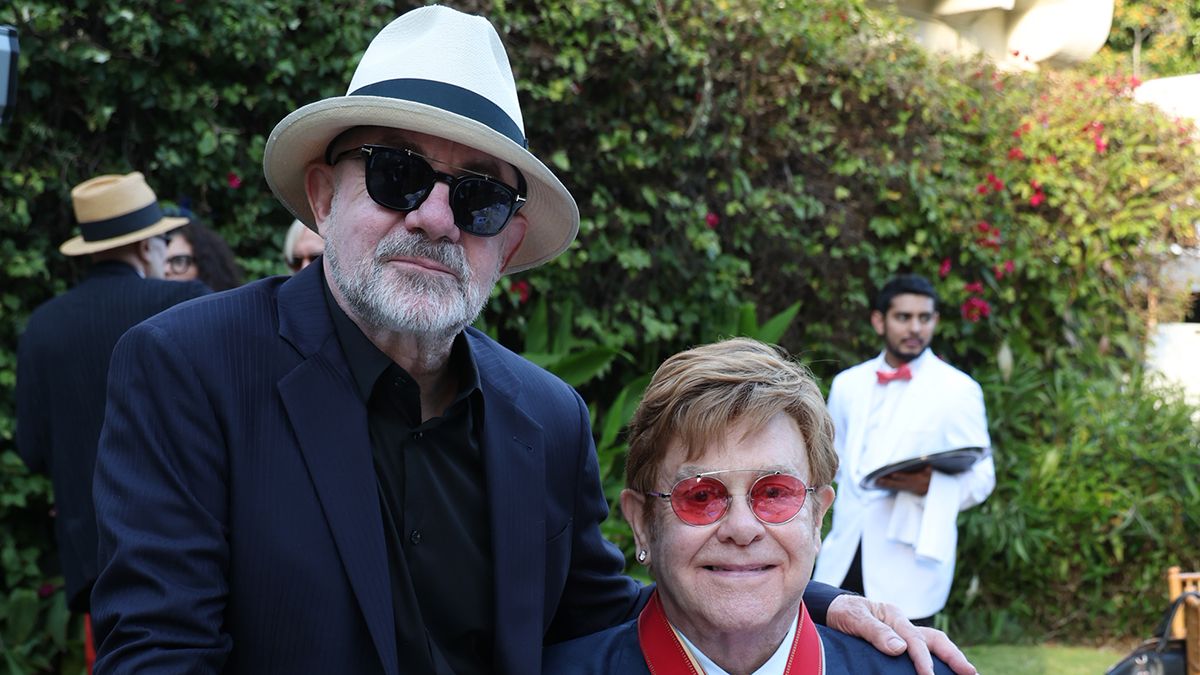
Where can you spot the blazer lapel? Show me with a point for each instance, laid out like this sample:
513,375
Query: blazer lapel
330,422
515,464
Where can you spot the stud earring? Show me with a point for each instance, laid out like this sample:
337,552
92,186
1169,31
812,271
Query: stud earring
642,556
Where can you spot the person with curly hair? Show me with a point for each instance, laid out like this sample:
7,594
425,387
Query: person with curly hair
197,252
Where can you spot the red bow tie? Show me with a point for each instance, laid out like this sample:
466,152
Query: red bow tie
901,373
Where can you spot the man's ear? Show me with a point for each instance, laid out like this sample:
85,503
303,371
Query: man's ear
143,250
824,496
318,187
514,234
633,507
877,321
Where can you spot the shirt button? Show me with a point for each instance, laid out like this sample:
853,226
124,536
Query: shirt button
417,435
415,536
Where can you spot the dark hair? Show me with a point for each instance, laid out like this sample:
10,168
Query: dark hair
215,264
901,284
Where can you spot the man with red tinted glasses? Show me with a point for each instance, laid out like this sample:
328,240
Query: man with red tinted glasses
332,472
895,528
730,460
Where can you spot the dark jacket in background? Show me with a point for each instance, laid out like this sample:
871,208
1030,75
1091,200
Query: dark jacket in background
62,370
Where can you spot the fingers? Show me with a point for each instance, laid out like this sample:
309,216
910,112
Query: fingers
857,616
944,648
913,637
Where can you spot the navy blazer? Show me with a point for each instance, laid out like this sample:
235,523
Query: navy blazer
240,524
62,368
616,650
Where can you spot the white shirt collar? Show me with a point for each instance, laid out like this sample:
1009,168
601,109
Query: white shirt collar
774,665
914,365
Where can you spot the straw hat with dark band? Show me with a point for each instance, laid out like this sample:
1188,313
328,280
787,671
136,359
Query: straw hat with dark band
113,211
440,72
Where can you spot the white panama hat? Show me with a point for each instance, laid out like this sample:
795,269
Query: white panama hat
440,72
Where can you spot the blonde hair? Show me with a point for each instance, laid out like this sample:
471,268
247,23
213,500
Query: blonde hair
699,394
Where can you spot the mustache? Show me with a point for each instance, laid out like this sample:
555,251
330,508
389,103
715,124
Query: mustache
403,243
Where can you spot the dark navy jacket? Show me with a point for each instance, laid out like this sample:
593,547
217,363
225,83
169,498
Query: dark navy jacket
62,367
240,523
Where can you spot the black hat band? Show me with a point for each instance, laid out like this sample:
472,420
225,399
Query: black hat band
111,228
451,98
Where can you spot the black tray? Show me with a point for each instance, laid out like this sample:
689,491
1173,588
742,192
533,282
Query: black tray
948,461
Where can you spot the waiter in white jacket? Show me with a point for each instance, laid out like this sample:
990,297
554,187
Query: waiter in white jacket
896,543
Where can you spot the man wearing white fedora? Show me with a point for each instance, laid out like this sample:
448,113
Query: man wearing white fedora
355,480
63,355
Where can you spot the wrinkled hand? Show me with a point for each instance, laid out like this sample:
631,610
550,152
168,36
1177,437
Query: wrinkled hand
916,482
886,628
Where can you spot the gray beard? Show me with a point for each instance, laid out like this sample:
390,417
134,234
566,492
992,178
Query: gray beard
432,306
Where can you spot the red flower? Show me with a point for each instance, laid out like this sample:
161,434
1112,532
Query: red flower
1001,270
1016,153
1037,198
944,269
1052,160
1035,185
1101,145
996,183
982,188
973,287
712,220
975,309
234,180
983,226
522,289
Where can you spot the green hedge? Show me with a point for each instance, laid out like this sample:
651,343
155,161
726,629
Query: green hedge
723,152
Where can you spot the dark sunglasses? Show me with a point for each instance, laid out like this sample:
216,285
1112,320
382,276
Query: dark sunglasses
401,179
179,264
700,500
300,262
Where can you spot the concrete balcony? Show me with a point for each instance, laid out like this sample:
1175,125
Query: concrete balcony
1015,34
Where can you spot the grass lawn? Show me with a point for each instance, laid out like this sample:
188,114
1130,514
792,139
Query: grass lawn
1038,659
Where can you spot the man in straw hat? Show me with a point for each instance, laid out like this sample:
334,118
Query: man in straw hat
356,481
62,360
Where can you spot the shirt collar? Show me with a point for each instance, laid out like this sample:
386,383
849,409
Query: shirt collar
367,362
774,665
914,365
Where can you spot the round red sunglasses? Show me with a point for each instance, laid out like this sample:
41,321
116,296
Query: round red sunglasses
699,500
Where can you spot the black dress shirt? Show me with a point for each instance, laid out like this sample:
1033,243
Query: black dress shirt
435,512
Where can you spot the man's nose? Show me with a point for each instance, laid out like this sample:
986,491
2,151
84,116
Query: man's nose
740,525
434,216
